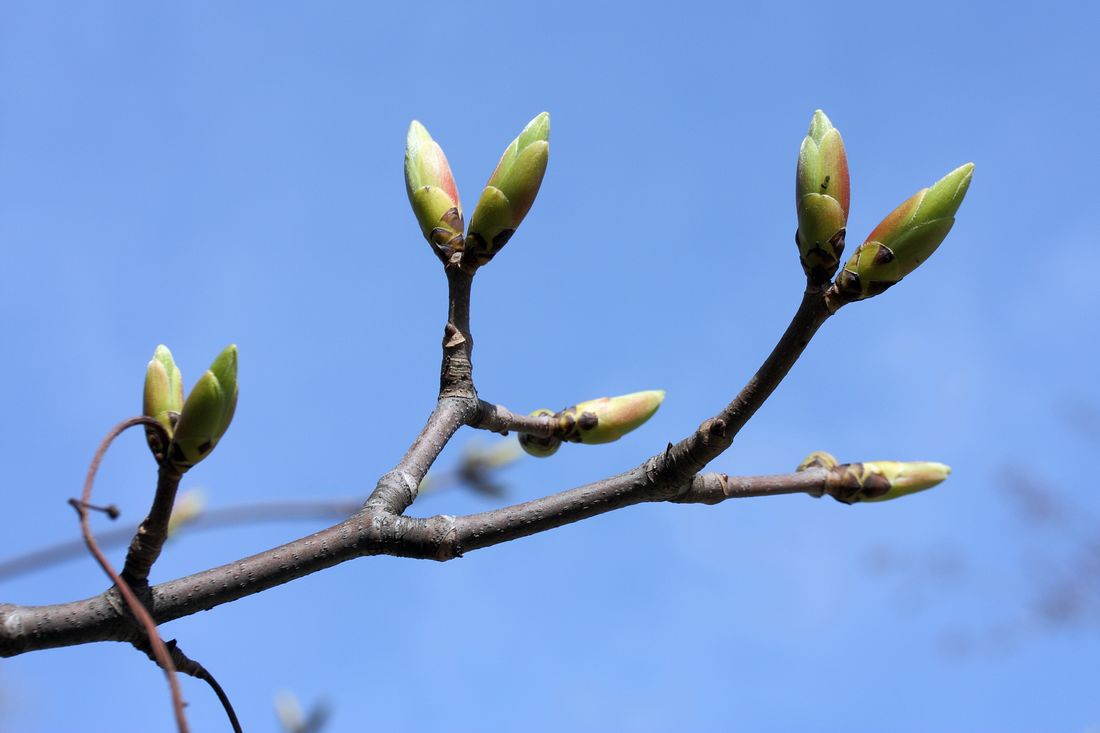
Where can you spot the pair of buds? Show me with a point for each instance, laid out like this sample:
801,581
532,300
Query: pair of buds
602,420
195,425
504,202
901,242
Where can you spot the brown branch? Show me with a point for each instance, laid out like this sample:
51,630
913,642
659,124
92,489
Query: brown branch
442,537
691,455
499,419
152,533
380,528
135,606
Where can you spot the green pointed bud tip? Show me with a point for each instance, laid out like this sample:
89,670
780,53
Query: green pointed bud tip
907,237
945,196
510,191
538,446
207,412
163,387
607,419
819,125
817,459
907,477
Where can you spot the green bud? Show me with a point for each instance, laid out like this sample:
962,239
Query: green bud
536,445
432,192
163,398
510,191
817,459
609,418
821,199
885,480
207,412
905,238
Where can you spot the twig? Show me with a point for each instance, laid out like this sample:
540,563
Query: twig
139,611
152,533
192,668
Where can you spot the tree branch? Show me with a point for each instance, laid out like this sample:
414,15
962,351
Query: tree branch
442,537
380,528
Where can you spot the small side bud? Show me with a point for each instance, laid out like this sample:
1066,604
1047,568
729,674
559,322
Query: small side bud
609,418
821,199
817,459
538,446
885,480
510,191
905,238
207,412
432,192
163,398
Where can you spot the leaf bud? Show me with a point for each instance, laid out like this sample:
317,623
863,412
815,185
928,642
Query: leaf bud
905,238
432,192
821,199
609,418
536,445
886,480
163,397
510,191
207,412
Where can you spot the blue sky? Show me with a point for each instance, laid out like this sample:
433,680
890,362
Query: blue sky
203,174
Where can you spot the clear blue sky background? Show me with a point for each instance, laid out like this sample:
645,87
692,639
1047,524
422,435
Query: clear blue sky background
206,174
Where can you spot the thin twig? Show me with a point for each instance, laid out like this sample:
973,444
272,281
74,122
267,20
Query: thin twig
139,611
152,533
192,668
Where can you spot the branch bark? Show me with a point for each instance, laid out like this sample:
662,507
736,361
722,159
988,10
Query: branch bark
380,526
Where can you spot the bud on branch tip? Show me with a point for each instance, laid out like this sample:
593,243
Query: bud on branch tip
207,412
821,199
510,191
432,192
905,238
163,397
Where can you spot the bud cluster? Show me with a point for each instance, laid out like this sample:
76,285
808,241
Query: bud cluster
901,242
504,202
195,425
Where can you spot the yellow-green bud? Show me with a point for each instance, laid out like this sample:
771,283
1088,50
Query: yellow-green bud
905,238
817,459
609,418
207,412
538,446
510,191
885,480
163,398
821,199
432,192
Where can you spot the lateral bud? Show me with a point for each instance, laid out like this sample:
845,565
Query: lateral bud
817,459
536,445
